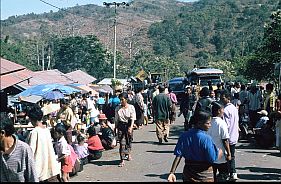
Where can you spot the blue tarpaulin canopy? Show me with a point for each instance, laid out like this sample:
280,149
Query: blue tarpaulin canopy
42,89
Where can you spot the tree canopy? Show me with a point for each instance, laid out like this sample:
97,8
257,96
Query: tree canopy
86,53
261,64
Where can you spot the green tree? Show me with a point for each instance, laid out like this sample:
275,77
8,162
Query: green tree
18,53
86,53
155,63
261,65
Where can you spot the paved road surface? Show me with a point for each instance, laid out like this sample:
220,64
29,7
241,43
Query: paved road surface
152,162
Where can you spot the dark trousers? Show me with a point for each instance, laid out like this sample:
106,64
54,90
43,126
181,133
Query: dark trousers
253,115
231,163
94,154
83,161
125,138
223,171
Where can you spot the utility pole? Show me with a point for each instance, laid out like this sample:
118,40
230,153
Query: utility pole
43,55
115,28
38,56
49,58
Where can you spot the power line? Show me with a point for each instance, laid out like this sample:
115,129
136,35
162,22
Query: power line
68,11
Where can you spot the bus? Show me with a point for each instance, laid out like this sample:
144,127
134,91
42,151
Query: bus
202,76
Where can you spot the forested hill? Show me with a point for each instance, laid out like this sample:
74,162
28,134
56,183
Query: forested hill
187,33
132,22
213,28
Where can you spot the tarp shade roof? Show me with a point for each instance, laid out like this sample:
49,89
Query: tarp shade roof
81,77
47,77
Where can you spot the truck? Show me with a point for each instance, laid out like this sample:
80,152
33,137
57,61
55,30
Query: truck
204,75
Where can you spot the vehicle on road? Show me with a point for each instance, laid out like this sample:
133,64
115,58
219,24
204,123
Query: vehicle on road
204,75
178,85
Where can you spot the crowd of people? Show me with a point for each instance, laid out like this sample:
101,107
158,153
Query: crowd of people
212,128
85,126
62,141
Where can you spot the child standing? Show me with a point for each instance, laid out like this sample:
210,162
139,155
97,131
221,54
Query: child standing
63,151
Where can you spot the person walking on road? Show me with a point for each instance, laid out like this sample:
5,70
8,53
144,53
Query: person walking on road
174,101
198,149
186,106
139,107
220,136
161,107
125,115
231,118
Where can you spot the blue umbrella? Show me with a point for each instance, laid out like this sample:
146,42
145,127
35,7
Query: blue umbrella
53,95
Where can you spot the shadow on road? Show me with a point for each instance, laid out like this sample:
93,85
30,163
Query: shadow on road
245,146
165,176
153,151
176,138
105,162
176,130
152,142
266,152
260,169
255,177
268,173
144,142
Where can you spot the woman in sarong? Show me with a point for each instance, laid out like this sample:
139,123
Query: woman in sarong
125,115
199,151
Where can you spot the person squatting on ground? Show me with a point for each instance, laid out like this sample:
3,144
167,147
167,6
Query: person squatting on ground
125,115
161,107
106,134
94,144
198,149
17,160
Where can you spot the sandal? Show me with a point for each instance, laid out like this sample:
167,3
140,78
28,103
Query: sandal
121,164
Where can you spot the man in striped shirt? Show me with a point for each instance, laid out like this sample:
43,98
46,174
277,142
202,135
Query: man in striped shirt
17,161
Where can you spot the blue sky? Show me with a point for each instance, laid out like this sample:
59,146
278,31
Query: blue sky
20,7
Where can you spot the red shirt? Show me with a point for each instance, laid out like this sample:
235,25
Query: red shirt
94,143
